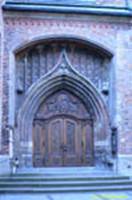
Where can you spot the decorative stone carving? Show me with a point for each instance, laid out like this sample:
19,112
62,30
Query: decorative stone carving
68,80
42,58
103,157
63,103
20,84
114,141
35,62
105,88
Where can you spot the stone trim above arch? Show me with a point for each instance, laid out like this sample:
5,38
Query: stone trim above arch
95,43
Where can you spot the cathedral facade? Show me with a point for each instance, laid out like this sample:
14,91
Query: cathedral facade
66,84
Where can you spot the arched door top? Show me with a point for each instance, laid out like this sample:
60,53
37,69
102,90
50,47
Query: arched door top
62,132
63,103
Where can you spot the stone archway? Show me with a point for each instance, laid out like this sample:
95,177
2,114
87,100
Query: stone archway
63,132
65,77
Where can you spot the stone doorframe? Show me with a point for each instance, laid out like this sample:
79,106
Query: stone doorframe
62,76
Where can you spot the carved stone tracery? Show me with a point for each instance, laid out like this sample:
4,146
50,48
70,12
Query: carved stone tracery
38,60
63,103
63,77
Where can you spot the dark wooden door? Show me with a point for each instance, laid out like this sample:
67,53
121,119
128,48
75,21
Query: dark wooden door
72,143
55,140
62,139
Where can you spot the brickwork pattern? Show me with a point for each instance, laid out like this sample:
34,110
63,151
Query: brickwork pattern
39,28
109,33
124,90
21,30
1,63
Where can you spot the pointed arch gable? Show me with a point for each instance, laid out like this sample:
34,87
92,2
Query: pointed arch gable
63,76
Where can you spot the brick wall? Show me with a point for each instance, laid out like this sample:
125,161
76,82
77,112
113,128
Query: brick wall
103,31
113,33
124,90
1,66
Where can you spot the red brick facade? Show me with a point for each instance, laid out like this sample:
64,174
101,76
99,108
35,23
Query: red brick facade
1,66
110,33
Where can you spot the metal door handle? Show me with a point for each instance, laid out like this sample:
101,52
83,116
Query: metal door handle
63,147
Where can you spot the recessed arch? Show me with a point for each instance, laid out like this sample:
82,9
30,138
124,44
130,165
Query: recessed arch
96,45
62,76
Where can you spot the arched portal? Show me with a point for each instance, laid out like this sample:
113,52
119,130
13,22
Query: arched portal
62,78
63,132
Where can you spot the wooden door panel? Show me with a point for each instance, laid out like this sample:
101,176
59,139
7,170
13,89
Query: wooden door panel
70,134
87,144
72,143
38,142
55,139
44,144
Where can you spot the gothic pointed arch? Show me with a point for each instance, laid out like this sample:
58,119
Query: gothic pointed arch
62,76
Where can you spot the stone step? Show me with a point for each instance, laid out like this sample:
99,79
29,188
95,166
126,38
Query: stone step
63,170
67,171
65,189
58,183
45,178
7,184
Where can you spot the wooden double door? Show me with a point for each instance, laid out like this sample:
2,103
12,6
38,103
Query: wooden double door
62,139
63,142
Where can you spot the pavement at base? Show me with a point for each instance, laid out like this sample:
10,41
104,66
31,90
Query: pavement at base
70,196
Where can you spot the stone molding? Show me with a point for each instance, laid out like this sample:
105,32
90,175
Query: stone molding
63,76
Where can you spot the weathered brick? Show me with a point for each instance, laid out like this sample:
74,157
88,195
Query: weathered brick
112,33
